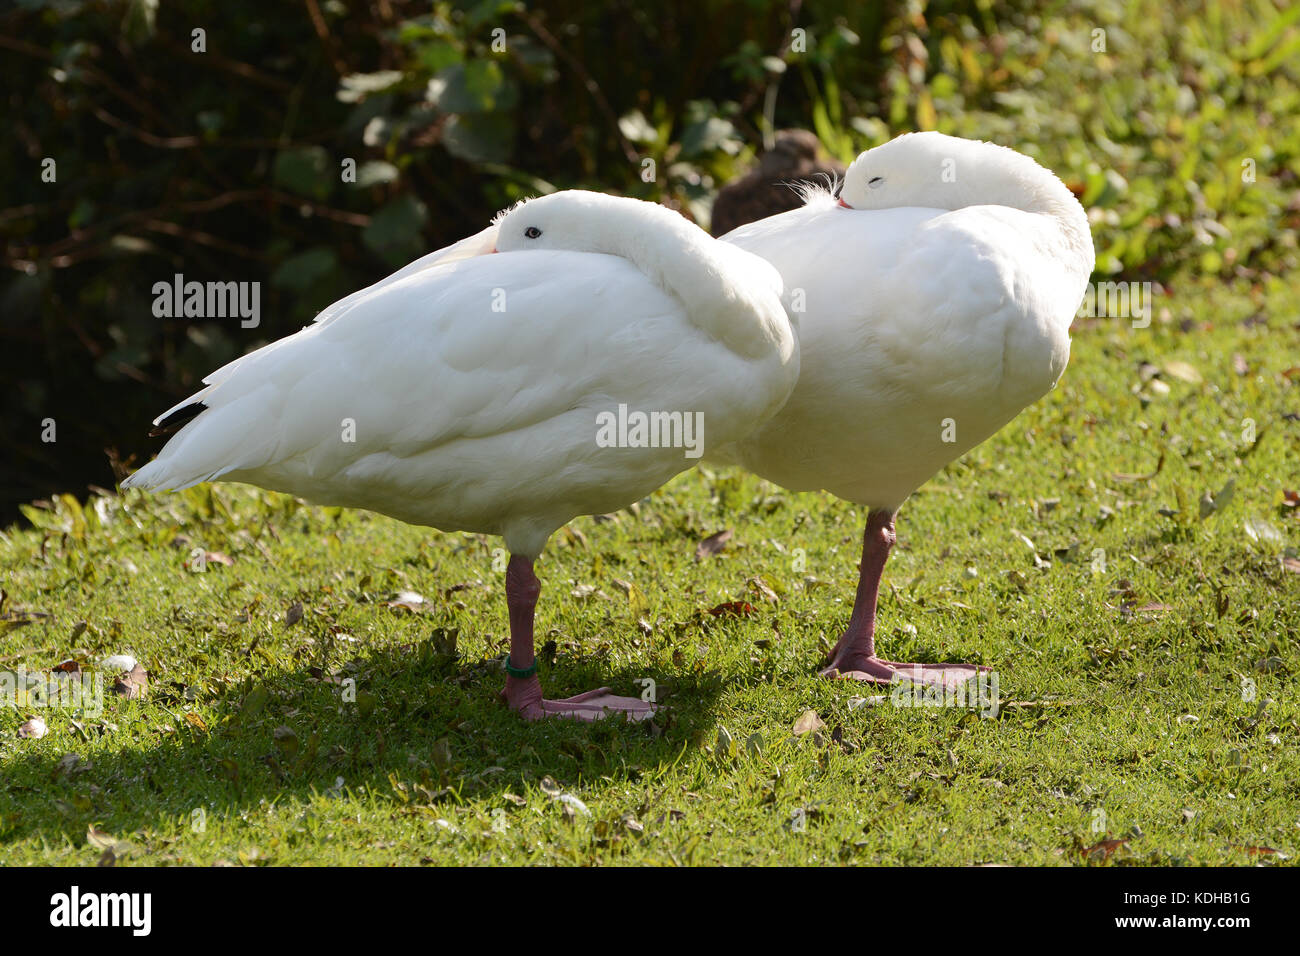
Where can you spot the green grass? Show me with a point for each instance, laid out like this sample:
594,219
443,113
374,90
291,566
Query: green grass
1151,700
1106,709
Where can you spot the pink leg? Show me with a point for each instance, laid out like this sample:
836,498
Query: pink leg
524,694
854,655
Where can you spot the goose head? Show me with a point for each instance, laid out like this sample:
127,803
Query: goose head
576,220
732,295
936,171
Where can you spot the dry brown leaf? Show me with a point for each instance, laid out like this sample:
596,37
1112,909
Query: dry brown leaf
737,608
293,615
34,729
712,544
216,557
132,684
1103,850
763,590
1258,850
1291,564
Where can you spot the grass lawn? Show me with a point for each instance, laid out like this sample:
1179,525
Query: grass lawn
1143,635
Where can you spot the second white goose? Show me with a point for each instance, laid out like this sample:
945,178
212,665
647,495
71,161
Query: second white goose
933,303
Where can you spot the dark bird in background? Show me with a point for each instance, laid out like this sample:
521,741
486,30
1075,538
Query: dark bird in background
768,189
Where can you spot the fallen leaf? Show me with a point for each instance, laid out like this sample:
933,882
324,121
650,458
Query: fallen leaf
132,684
1211,504
1103,850
712,544
68,765
808,721
1260,851
725,744
1183,372
99,839
216,557
1257,529
1291,564
738,608
34,728
763,590
293,615
406,600
254,702
1152,608
636,601
569,800
443,640
856,703
286,741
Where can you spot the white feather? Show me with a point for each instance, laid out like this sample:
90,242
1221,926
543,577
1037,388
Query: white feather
937,299
468,416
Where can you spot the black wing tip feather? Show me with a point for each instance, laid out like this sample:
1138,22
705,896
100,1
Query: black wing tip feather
177,419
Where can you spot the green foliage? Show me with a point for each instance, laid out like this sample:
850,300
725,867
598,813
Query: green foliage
223,157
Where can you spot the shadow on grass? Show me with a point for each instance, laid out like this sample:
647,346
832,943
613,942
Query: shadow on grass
423,729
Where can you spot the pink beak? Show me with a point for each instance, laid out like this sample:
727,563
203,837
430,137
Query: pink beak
844,204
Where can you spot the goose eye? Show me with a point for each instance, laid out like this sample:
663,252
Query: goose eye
532,232
875,182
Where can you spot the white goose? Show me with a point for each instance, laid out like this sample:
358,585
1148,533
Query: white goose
468,391
933,303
